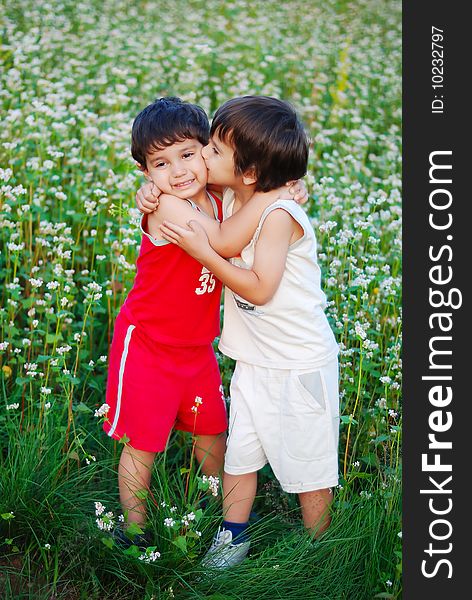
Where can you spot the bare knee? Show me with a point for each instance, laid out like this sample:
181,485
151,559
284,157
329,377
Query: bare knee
210,452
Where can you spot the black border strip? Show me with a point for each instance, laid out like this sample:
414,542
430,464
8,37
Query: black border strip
434,199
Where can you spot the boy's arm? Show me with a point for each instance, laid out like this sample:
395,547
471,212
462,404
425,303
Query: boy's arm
256,285
231,236
227,238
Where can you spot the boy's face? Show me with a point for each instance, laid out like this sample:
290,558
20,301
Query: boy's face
219,161
178,169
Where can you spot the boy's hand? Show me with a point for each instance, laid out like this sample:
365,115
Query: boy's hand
147,197
193,240
298,190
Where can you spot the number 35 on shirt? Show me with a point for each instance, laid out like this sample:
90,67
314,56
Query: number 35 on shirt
207,282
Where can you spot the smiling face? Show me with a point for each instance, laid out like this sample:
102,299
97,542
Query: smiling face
179,169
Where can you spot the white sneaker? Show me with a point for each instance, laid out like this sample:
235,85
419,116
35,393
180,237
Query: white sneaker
223,553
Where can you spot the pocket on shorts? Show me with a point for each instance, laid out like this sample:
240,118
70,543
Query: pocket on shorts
307,428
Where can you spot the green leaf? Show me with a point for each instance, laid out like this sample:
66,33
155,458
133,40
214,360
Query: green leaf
133,529
198,514
133,551
124,439
181,543
380,438
348,419
43,358
7,516
52,337
370,459
94,384
83,408
184,470
108,541
141,494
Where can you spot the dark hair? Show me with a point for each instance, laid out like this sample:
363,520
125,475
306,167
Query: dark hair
165,122
267,135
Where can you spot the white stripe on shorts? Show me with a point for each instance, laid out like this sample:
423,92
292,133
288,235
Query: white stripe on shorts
120,379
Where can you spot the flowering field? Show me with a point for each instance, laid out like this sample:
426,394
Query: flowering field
74,75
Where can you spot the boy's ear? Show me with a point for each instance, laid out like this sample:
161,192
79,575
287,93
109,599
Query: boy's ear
144,170
249,176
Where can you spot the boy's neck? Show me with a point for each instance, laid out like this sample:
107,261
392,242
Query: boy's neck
243,193
200,198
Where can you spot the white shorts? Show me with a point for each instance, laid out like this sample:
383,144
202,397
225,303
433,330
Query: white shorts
289,418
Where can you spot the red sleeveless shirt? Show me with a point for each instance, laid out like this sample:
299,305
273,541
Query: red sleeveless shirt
174,299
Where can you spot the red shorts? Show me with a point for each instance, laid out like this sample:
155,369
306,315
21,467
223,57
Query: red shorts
153,388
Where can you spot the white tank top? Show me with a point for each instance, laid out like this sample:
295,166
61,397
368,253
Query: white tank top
291,330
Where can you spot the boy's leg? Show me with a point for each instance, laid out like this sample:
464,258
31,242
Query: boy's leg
239,493
315,510
210,453
134,474
230,544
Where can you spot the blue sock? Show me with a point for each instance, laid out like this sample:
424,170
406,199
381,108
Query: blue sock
238,530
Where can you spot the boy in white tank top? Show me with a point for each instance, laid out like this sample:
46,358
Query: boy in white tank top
284,391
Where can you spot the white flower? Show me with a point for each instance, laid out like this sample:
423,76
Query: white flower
169,522
360,331
13,406
100,412
151,557
214,483
47,405
400,534
45,390
388,583
47,546
64,349
36,283
104,524
99,508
